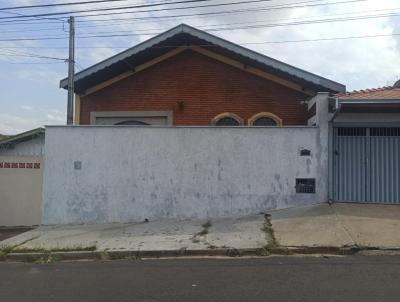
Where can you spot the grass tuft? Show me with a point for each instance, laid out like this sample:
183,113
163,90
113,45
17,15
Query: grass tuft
103,255
272,242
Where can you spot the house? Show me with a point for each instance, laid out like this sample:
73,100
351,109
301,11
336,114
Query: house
318,142
29,143
365,155
186,76
21,178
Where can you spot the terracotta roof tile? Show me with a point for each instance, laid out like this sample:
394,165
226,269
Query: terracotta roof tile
388,92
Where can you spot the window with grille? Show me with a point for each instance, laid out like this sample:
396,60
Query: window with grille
305,185
227,121
265,121
351,131
366,131
385,131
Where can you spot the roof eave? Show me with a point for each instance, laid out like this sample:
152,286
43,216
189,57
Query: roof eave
122,55
183,28
368,101
22,136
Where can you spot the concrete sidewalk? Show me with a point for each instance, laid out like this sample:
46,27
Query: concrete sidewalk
338,225
163,235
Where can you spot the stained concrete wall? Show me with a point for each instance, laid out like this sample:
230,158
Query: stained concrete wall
20,190
101,174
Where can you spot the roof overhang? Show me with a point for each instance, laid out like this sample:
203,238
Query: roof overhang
365,105
369,101
183,35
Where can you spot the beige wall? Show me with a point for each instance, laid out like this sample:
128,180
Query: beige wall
20,191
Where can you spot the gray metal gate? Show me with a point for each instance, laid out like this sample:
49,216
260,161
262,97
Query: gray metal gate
366,164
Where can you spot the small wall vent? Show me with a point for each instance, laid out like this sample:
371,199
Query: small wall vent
305,152
305,185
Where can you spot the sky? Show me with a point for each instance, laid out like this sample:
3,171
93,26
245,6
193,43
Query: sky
30,96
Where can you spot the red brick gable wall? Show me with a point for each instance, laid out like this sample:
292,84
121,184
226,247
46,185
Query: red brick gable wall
208,87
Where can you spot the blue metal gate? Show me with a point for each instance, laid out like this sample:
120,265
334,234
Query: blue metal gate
366,164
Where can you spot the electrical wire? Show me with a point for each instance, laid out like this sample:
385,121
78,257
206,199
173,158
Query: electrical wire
57,4
11,52
301,4
130,7
208,45
139,21
129,21
270,25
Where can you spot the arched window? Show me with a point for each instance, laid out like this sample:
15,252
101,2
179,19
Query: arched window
132,122
265,119
227,119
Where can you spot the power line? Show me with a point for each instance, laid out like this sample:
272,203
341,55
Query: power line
322,39
30,63
57,4
115,8
218,26
300,4
307,22
208,45
37,17
256,9
11,52
23,22
129,21
150,5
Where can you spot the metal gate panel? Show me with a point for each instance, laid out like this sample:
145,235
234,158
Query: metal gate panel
385,169
366,164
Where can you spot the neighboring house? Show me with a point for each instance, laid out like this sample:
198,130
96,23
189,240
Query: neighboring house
29,143
21,178
365,153
186,76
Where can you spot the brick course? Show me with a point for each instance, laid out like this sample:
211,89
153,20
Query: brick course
207,87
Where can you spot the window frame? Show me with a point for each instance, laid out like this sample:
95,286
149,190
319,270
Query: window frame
270,115
220,116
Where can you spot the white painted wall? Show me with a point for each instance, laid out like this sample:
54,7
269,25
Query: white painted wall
20,192
132,173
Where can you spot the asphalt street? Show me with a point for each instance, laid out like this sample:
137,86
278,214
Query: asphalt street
353,278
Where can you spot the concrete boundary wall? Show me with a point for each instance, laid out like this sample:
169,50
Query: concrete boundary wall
21,180
103,174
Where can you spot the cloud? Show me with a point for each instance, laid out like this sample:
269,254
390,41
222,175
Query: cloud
13,124
26,107
42,75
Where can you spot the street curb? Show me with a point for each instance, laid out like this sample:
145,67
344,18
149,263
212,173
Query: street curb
227,252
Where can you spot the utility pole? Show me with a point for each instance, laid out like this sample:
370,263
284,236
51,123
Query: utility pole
71,71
